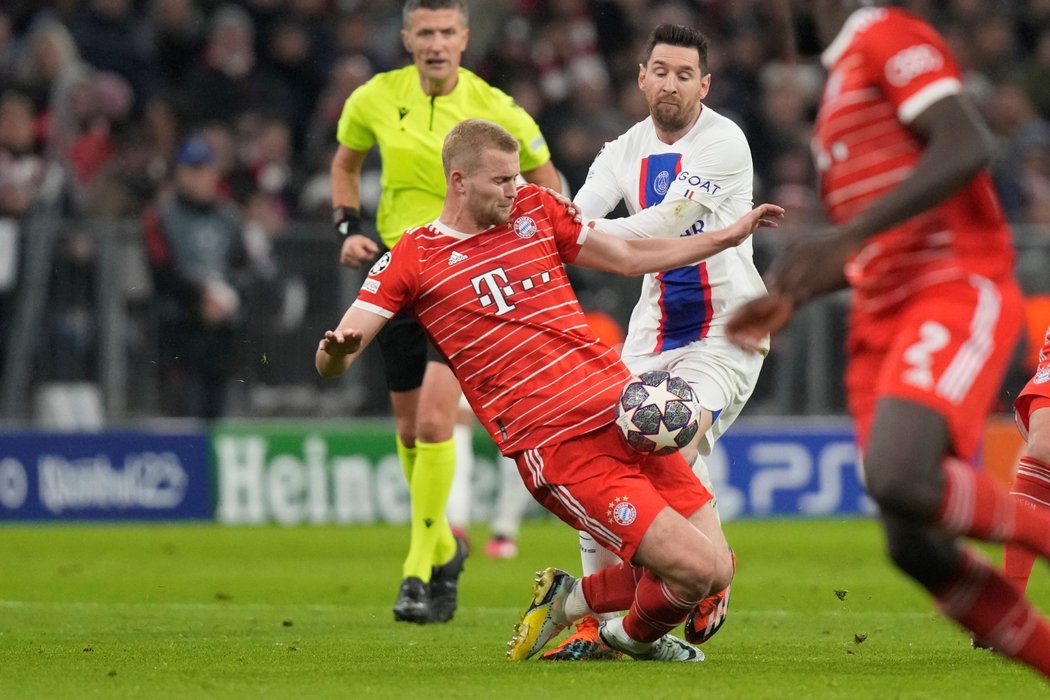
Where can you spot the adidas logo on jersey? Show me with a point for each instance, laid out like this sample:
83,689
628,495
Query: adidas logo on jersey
456,258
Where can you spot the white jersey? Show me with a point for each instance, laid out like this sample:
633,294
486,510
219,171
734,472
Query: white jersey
710,165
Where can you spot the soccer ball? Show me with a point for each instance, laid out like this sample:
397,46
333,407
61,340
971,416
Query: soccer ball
657,413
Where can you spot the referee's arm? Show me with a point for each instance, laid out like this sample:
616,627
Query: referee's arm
356,248
545,176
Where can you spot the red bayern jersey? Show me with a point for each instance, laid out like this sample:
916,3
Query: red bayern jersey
499,306
885,68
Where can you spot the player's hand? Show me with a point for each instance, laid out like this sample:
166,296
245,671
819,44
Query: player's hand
357,249
811,265
340,342
753,321
570,207
764,215
219,302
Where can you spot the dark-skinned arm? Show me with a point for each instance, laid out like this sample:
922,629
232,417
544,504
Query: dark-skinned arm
957,145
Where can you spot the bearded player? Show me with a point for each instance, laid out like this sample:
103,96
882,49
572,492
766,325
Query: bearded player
683,171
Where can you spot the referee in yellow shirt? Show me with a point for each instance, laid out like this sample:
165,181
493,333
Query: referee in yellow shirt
408,112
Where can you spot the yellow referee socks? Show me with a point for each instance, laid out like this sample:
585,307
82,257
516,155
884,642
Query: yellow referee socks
407,455
432,542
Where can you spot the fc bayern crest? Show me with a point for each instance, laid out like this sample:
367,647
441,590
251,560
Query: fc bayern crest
1042,376
525,227
381,264
622,512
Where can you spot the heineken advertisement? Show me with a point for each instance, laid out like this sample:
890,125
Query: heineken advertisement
293,473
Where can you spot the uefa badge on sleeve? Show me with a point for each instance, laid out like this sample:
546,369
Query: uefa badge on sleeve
380,264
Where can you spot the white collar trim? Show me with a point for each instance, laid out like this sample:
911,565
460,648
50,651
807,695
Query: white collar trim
446,230
859,20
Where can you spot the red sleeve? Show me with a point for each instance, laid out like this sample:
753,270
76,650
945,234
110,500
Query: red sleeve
911,62
567,231
392,283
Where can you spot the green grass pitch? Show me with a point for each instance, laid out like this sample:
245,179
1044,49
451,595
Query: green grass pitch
186,611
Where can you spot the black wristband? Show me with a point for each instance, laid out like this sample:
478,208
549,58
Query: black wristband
347,221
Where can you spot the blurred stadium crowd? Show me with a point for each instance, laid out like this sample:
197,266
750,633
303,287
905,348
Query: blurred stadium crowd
96,97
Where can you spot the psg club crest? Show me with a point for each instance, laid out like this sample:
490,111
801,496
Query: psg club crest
381,264
525,227
622,512
1042,376
663,181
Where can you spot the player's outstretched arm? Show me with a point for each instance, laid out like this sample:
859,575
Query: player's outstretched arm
601,251
811,265
339,348
668,219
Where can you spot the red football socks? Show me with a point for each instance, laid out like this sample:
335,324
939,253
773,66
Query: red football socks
653,609
980,599
656,610
1031,491
975,506
612,588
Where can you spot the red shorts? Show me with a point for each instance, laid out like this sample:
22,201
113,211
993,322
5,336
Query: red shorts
946,348
596,483
1035,395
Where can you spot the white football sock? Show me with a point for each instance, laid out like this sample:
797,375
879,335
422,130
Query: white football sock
613,631
459,496
704,474
512,501
594,558
575,604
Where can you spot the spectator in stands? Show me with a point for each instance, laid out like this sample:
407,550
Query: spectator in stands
172,32
93,115
24,173
228,82
105,32
7,51
25,177
50,57
293,61
346,75
196,250
1023,137
264,160
1037,73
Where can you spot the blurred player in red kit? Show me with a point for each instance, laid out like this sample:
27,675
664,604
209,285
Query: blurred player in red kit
920,237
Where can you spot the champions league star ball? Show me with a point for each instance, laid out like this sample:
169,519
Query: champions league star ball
657,413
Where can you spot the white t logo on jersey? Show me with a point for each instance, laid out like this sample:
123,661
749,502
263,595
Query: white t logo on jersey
492,288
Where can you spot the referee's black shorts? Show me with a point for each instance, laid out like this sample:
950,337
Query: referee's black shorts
406,350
